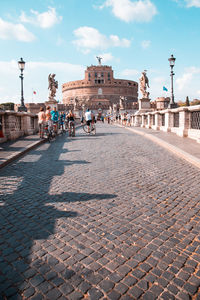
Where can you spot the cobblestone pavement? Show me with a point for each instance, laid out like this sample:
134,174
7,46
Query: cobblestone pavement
111,216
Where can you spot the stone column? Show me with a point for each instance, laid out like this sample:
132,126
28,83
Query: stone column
149,118
143,121
157,121
168,121
183,122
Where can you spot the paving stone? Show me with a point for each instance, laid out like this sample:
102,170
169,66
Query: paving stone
113,295
53,294
95,294
66,288
106,285
136,292
84,287
121,288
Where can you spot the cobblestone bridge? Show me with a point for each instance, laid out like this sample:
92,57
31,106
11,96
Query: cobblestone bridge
111,216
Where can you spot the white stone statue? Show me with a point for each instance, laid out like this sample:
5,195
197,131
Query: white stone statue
99,59
114,107
53,85
144,83
75,103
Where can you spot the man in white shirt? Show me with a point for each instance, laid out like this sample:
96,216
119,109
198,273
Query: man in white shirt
88,118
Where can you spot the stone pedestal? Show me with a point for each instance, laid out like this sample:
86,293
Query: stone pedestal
52,103
77,113
144,104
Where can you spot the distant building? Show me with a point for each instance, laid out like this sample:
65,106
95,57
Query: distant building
100,89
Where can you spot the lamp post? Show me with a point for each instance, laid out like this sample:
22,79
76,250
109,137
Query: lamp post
21,65
172,104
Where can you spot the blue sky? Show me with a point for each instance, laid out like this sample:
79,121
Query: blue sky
65,36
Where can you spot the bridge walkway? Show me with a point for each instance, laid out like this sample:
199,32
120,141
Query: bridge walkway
111,216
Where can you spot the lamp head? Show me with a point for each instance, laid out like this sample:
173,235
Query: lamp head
172,61
21,64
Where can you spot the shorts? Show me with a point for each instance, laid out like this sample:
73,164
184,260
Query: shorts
88,122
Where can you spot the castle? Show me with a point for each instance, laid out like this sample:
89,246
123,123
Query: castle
99,89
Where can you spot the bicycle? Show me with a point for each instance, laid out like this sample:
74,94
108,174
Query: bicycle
89,129
48,132
71,128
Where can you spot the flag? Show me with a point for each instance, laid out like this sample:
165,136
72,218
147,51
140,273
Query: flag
165,89
34,92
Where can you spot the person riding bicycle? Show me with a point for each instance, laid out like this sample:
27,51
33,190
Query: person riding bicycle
88,118
55,118
71,118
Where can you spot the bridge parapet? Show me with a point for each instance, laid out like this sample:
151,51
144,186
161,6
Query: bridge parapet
184,121
17,124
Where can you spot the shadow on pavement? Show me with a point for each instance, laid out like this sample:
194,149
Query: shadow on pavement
27,216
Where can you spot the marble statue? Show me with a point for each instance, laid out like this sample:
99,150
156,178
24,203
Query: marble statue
99,59
144,83
53,85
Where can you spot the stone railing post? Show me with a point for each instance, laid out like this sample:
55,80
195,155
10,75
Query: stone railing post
157,121
168,121
149,118
184,117
143,120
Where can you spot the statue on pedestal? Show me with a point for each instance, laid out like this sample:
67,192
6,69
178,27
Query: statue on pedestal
75,103
53,85
144,83
114,107
99,59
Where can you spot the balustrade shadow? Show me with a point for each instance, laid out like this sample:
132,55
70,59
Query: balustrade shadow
27,214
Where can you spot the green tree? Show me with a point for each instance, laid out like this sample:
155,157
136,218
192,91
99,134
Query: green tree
7,106
187,102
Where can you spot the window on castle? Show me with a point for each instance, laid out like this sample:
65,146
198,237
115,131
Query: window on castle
95,74
102,74
100,92
108,76
89,76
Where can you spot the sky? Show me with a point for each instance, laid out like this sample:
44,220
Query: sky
65,36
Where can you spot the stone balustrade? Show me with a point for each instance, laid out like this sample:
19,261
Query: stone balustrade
17,124
184,121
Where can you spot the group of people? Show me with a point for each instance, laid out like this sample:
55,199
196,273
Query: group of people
54,119
123,118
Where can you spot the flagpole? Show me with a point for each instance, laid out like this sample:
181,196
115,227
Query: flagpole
32,95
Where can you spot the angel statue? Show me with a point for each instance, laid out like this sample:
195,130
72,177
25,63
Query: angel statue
144,83
53,85
99,59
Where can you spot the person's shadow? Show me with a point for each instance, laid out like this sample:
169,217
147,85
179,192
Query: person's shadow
26,216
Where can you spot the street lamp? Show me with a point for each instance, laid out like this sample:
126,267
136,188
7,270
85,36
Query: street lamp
172,59
21,65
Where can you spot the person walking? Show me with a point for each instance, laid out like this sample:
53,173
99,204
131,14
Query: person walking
55,118
41,122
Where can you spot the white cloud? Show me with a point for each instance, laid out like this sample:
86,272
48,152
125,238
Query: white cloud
10,31
89,38
186,78
127,10
44,20
192,3
9,72
146,44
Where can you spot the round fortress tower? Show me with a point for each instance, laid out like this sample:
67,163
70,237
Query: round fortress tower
99,88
